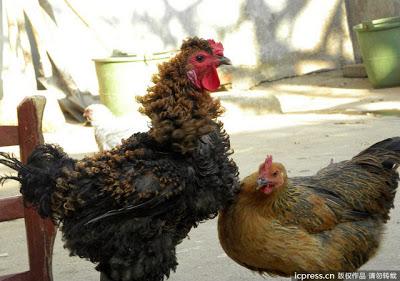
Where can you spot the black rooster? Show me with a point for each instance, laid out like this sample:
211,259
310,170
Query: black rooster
127,209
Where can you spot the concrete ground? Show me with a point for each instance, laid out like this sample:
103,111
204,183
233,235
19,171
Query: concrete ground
312,131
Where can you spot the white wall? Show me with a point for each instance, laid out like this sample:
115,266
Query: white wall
265,39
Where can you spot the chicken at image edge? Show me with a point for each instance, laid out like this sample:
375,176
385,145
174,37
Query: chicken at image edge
329,222
126,209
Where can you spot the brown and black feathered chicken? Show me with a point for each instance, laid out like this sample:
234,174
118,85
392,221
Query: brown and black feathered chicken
329,222
126,209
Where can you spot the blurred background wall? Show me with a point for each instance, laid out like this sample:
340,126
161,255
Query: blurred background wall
50,44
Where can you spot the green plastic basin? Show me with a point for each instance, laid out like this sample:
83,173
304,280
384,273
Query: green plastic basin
379,42
122,78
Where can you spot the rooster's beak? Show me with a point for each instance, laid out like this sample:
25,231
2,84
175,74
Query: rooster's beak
224,60
261,182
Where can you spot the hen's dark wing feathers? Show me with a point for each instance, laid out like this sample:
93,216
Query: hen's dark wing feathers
360,188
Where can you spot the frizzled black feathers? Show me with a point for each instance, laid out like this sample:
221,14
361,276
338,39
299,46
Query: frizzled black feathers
126,209
10,161
38,176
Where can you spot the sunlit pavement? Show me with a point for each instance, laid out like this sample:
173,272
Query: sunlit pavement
304,142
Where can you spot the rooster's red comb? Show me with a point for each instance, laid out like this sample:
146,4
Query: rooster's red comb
216,47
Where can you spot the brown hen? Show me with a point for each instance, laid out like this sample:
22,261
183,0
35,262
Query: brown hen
329,222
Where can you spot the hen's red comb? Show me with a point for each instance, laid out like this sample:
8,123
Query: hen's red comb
268,162
216,47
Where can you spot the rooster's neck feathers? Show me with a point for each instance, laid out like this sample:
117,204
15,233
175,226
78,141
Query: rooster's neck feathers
180,113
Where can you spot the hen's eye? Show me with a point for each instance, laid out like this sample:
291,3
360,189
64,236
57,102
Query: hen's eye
275,174
199,58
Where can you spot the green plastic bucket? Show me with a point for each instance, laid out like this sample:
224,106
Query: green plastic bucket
379,41
122,78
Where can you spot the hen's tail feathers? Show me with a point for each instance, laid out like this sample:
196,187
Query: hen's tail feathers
38,175
383,159
385,153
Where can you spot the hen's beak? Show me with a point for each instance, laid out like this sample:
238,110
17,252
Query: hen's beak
261,182
224,60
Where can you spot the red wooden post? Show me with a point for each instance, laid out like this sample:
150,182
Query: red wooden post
22,276
11,208
40,233
9,135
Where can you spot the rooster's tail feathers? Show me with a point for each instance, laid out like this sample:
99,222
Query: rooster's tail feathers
10,161
38,175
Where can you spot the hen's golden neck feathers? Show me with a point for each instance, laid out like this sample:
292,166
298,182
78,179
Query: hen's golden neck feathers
180,113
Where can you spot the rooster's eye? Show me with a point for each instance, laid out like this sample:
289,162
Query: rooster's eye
275,174
199,58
